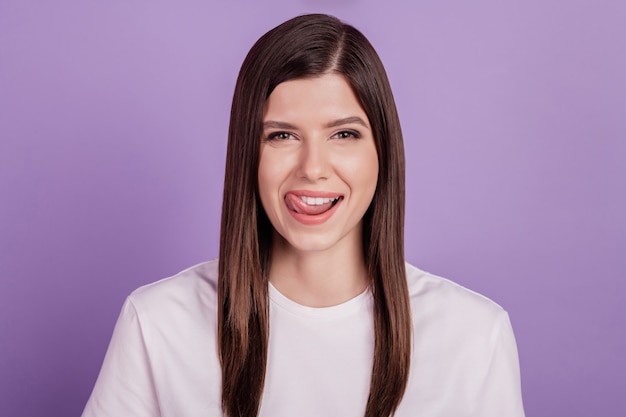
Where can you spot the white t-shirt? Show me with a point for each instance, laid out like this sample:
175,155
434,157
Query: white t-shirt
162,360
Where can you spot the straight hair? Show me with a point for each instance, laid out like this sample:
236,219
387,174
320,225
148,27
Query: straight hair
305,47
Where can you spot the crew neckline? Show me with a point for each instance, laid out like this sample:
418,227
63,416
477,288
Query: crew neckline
351,306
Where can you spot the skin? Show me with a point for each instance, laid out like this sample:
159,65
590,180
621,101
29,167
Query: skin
317,141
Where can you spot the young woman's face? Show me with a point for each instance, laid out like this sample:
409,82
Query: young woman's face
318,165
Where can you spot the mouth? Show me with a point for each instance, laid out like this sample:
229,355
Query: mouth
311,205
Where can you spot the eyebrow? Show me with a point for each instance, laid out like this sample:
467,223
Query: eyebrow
272,124
347,121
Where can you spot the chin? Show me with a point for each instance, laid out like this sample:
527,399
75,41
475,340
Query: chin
310,243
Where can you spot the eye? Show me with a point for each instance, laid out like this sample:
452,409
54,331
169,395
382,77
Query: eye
347,134
279,136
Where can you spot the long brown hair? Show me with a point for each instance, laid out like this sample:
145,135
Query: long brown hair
309,46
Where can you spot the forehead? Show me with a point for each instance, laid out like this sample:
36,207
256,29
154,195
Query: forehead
322,98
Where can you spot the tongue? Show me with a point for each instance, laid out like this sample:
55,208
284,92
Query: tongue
296,204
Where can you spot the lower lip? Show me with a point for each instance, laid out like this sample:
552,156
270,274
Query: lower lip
317,219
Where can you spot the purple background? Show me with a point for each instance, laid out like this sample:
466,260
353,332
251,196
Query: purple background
113,121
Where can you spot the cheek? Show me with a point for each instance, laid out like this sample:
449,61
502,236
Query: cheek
370,181
369,178
363,170
371,166
265,180
269,179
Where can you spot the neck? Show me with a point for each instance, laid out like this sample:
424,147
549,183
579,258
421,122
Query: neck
319,278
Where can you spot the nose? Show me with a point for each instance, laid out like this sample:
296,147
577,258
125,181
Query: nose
314,161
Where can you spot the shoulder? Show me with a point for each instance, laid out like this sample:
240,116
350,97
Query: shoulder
450,304
463,348
163,351
454,324
190,290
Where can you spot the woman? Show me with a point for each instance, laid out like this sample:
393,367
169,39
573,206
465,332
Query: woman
311,309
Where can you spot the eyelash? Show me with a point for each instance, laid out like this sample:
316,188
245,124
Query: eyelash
352,134
281,136
275,136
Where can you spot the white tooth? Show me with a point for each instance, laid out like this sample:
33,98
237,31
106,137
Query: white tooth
317,201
